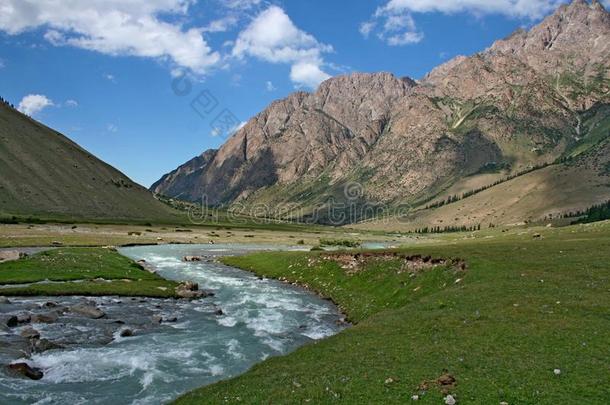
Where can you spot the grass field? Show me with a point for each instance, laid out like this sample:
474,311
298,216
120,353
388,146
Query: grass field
85,235
81,271
526,305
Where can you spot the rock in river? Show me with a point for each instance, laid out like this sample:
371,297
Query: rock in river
87,311
25,370
10,321
30,333
49,317
192,258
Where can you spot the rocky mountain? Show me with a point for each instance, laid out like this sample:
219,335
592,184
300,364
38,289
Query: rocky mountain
362,140
45,175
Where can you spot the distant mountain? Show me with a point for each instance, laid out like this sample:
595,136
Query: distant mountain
43,174
538,97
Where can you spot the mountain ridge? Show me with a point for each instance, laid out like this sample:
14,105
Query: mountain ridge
518,104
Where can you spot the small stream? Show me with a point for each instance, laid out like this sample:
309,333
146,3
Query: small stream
195,345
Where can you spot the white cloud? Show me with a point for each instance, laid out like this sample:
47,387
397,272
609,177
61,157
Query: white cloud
71,103
532,9
241,4
222,24
394,26
114,27
109,77
34,103
112,128
273,37
366,28
307,74
399,28
269,86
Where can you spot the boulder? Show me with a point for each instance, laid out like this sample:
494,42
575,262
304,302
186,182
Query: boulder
30,333
24,317
49,317
171,319
9,255
192,258
11,321
4,300
126,333
56,243
157,319
189,290
218,312
25,370
42,345
88,311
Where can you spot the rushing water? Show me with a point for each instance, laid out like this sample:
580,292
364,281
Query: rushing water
261,318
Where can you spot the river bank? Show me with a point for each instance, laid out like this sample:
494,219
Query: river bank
171,345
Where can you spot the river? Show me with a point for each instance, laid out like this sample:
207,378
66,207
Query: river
260,318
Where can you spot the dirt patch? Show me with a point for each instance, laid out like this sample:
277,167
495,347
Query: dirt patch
446,383
353,263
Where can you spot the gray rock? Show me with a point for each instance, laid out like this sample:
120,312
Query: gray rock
4,300
48,317
87,311
11,321
30,333
126,333
25,370
192,258
24,317
42,345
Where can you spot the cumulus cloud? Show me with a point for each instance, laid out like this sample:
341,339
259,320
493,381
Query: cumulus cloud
273,37
71,103
33,104
394,26
397,26
532,9
307,74
114,27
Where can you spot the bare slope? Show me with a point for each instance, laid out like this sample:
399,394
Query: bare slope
44,174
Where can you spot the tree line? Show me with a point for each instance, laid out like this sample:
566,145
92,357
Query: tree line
8,103
454,198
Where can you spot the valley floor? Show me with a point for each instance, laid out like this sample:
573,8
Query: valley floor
526,322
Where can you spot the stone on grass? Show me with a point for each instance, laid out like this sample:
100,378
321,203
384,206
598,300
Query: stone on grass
449,400
557,371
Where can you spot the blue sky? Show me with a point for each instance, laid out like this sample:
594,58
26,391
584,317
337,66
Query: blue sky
105,72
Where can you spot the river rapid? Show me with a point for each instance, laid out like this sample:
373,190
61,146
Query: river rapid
195,345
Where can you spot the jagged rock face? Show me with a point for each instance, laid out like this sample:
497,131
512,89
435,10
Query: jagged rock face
518,102
183,182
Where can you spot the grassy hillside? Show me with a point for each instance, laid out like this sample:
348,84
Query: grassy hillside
81,271
44,174
526,305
